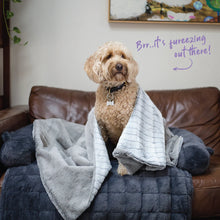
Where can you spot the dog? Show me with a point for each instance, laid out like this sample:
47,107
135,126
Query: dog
114,69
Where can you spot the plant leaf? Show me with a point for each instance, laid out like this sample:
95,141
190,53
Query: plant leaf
16,1
25,43
17,30
9,14
16,39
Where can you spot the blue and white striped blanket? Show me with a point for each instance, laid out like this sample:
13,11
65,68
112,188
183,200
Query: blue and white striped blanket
146,140
73,160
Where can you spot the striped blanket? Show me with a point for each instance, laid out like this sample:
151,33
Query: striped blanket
73,160
146,140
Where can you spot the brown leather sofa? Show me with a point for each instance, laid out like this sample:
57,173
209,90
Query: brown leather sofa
197,110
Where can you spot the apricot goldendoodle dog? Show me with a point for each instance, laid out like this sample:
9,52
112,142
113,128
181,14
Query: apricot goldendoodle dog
113,67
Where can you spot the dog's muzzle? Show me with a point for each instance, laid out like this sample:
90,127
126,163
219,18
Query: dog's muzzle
119,69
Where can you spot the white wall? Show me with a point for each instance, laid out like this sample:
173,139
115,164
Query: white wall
62,34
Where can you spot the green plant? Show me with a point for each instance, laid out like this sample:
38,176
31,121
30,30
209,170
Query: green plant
15,31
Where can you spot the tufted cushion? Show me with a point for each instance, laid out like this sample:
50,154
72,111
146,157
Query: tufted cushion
24,195
147,195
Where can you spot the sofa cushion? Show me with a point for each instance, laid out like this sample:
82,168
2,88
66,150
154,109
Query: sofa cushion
145,195
196,110
206,198
194,155
71,105
18,148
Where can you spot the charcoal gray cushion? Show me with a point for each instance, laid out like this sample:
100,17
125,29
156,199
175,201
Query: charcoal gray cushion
165,194
194,155
18,148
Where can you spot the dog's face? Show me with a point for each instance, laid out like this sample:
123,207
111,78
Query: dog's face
111,63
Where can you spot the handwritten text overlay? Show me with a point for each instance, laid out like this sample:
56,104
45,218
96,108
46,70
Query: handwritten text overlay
185,47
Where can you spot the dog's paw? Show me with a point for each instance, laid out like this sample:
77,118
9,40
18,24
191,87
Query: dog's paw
122,170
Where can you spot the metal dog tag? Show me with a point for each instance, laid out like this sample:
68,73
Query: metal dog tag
110,103
110,99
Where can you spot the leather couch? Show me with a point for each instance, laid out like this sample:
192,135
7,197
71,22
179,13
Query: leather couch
197,110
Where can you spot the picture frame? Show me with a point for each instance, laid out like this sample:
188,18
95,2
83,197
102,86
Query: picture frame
165,11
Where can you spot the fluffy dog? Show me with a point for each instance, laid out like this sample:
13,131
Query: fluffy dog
113,67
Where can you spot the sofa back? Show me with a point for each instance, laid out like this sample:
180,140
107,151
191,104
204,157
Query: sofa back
197,110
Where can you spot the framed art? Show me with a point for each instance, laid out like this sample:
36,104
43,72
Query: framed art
165,11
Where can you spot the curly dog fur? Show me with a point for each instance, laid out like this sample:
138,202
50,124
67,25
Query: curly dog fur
112,66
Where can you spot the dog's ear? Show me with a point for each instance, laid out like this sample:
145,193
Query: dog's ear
133,70
92,69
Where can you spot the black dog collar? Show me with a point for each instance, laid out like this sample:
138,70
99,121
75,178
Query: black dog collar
116,88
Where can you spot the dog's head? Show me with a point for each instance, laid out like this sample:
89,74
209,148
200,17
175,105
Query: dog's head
111,63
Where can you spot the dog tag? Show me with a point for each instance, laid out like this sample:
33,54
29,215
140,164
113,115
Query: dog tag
110,99
110,103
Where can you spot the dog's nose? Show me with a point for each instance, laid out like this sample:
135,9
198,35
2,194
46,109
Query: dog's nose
119,66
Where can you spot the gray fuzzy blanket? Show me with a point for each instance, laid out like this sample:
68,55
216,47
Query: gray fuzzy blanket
73,160
72,167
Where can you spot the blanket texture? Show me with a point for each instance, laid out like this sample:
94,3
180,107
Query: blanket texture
74,162
71,168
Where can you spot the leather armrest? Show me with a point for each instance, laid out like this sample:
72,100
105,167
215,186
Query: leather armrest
14,118
1,182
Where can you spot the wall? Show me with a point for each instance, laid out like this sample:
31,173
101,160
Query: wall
62,34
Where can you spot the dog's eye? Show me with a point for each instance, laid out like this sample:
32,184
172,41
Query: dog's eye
123,56
109,56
